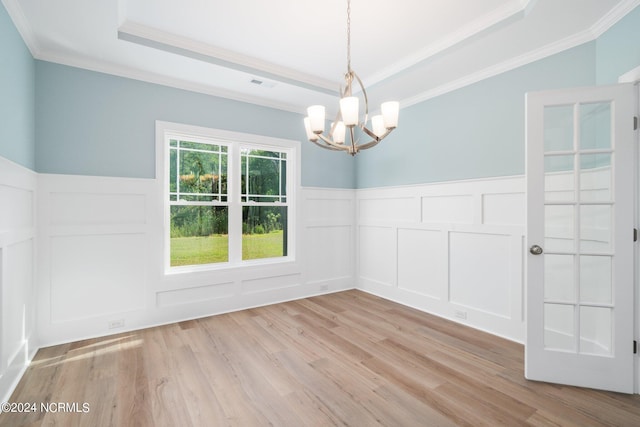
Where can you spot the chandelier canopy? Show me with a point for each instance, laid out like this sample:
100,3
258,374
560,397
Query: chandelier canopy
348,117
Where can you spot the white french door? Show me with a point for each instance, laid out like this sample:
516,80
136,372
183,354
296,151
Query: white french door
580,237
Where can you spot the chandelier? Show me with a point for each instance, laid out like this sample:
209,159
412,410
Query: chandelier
348,118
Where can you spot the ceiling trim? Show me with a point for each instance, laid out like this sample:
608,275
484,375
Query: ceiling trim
148,77
613,16
506,13
632,76
171,43
508,65
596,30
22,25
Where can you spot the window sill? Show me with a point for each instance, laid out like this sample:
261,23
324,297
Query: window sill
288,261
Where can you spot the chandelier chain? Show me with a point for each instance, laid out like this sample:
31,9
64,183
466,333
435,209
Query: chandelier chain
349,35
342,134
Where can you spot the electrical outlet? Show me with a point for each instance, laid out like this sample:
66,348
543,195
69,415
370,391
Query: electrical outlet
113,324
460,314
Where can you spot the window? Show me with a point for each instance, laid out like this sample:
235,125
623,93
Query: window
228,197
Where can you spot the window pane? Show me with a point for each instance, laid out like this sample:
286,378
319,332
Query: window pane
559,333
559,178
596,285
173,170
264,232
558,128
559,280
559,228
203,176
596,330
263,175
595,228
595,177
199,146
595,126
199,235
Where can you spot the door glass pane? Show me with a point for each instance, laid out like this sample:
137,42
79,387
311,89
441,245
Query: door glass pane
559,228
595,228
595,126
559,327
559,178
559,278
595,279
558,128
595,177
595,330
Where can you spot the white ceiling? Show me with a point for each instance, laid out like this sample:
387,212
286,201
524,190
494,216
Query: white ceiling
406,50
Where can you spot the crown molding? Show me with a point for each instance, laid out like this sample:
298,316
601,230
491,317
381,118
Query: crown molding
613,16
508,65
632,76
171,43
148,77
512,10
22,25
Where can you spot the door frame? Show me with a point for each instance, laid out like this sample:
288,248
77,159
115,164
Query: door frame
633,76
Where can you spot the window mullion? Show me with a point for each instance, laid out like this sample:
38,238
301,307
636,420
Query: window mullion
235,208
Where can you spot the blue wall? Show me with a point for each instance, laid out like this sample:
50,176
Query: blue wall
97,124
473,132
478,131
91,123
17,141
618,49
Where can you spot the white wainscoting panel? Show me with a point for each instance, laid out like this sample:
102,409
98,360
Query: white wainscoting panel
479,277
18,335
97,275
452,209
504,209
453,249
91,208
195,295
377,247
94,255
397,209
101,259
422,262
328,250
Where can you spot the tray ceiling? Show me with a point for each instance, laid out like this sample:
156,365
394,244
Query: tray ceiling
289,54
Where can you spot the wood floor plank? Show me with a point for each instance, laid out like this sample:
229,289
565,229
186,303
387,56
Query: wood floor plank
349,359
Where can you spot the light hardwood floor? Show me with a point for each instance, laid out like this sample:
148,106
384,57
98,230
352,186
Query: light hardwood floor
348,358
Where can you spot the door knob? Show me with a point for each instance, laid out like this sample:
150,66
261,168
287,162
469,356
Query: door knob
535,250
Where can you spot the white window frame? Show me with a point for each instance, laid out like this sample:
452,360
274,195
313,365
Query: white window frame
235,141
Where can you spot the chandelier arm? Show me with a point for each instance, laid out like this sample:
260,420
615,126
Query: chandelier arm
373,135
369,144
354,142
326,147
331,144
364,95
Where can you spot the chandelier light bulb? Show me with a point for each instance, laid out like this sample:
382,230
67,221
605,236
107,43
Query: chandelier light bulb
349,110
390,112
316,118
307,127
377,122
339,132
